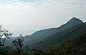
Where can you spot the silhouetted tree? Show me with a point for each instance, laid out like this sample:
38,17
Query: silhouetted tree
3,35
18,44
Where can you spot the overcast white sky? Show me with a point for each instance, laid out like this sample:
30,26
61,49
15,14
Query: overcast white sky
26,16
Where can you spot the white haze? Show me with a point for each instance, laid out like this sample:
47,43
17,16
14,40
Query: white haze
26,17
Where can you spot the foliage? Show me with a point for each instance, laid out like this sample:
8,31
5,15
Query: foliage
69,42
71,47
18,44
42,34
5,33
61,37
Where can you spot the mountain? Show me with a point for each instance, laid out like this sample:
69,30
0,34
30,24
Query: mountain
40,35
61,37
76,46
74,21
8,41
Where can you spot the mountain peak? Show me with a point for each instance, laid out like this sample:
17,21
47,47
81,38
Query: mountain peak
74,18
75,21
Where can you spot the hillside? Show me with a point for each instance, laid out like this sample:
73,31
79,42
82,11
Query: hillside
61,37
40,35
76,46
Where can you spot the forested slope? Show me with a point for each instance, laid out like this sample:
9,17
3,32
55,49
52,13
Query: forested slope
76,46
61,37
42,34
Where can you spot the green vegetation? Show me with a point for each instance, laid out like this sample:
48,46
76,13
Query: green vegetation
68,42
42,34
74,46
61,37
71,47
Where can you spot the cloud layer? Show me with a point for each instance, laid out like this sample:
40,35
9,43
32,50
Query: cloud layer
25,16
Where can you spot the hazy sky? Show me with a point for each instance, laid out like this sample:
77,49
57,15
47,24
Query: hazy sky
26,16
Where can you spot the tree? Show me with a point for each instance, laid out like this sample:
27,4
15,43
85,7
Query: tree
3,35
27,50
18,44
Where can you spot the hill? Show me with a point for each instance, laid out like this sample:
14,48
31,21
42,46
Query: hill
76,46
40,35
61,37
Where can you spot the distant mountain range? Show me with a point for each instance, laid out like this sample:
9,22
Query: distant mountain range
42,34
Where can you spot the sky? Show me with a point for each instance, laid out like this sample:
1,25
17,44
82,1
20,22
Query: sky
28,16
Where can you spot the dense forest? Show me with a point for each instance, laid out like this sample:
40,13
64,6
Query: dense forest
68,42
42,34
61,37
74,46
